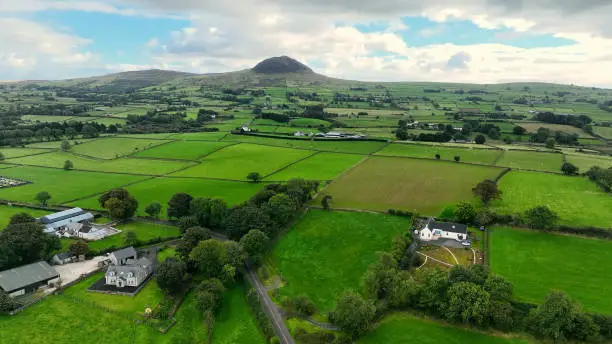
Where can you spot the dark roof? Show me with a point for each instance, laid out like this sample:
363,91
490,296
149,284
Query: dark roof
65,255
448,227
23,276
125,253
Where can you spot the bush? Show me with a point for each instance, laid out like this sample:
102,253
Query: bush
263,322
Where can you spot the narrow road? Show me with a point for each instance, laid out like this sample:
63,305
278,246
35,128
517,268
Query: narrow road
282,332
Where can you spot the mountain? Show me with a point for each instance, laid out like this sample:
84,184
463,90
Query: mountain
281,65
125,80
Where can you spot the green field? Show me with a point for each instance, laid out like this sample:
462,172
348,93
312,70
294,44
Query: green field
322,166
6,212
63,186
536,262
204,136
531,161
166,253
308,122
326,253
235,323
478,156
57,144
577,201
236,162
18,152
584,162
45,118
121,165
144,231
186,150
161,190
605,132
405,328
110,148
355,147
381,183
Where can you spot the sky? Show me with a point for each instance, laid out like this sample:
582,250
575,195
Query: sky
477,41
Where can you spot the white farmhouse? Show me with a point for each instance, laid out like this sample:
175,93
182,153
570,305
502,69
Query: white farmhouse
434,230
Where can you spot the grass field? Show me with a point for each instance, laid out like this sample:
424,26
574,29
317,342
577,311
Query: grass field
57,144
536,262
355,147
328,252
533,127
584,162
531,161
166,253
19,152
381,183
322,166
605,132
161,190
187,150
122,165
6,212
144,231
306,122
110,148
401,328
235,323
236,162
479,156
577,201
63,185
45,119
203,136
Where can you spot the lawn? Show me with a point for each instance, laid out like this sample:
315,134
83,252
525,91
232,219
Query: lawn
536,262
236,162
18,152
427,186
402,328
144,231
531,161
121,165
479,156
326,253
161,190
113,147
6,212
186,150
63,186
322,166
584,161
577,201
168,252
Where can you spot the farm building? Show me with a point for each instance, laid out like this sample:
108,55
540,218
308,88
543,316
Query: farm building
122,256
434,230
87,231
62,258
57,221
27,278
132,274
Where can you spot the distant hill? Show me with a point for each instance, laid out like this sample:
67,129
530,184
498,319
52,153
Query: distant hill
125,80
281,65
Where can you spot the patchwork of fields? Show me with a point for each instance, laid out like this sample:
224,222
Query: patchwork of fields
531,161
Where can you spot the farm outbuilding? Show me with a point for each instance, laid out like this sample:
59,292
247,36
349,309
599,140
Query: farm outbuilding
56,221
27,278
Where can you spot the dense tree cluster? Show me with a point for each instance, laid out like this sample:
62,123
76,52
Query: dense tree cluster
601,176
119,203
579,121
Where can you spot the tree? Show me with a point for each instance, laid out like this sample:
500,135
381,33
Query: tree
254,177
24,243
65,146
480,139
43,197
300,304
119,204
487,191
210,213
79,247
21,218
550,143
190,239
437,156
171,276
130,238
518,130
89,131
68,165
209,257
569,169
554,318
209,294
282,208
541,217
498,288
353,314
1,156
465,212
153,209
235,255
402,134
254,244
325,202
246,217
6,302
178,206
457,158
468,303
493,133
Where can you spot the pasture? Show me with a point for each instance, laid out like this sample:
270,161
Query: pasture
237,161
64,186
533,127
321,166
185,150
19,152
536,262
382,183
577,201
235,323
531,161
355,147
605,132
161,190
113,147
203,136
335,248
478,156
584,161
400,328
144,231
308,122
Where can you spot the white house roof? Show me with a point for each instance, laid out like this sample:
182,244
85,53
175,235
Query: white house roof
432,224
123,253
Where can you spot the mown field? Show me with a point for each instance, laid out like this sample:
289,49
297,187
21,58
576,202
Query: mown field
321,166
531,161
577,201
161,190
63,186
355,147
381,183
479,156
187,150
536,262
326,253
113,147
405,328
237,161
